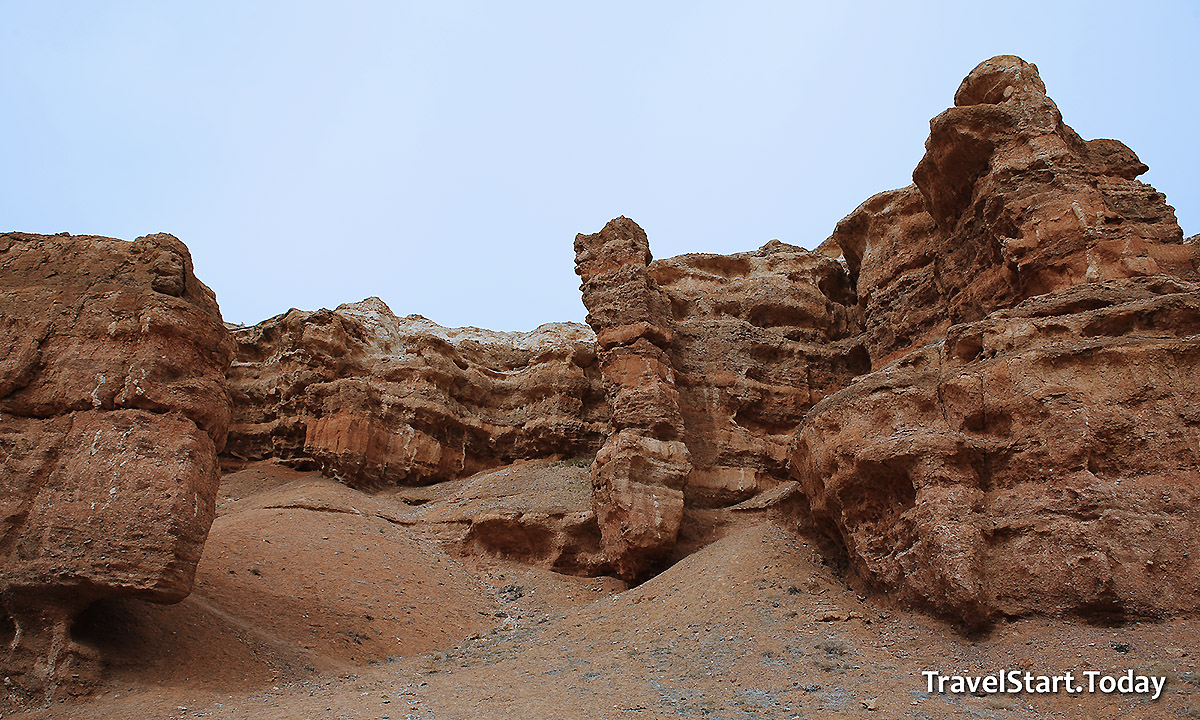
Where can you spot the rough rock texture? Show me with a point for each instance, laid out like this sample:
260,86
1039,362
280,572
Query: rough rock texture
757,338
710,362
1027,442
892,247
113,407
1042,460
374,399
1009,203
639,474
536,512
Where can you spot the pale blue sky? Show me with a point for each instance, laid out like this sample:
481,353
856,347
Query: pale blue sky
443,155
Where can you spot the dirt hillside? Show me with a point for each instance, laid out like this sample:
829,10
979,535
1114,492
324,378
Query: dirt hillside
314,600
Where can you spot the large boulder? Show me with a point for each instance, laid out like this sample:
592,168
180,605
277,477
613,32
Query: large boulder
374,399
113,407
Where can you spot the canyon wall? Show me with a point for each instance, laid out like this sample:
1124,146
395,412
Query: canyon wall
1027,440
710,363
374,399
980,390
982,383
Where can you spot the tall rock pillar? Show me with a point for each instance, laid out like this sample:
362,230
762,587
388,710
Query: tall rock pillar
639,475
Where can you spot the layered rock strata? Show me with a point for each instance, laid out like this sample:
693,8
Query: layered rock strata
113,407
375,400
639,474
710,363
757,338
1008,203
536,512
1042,460
1026,442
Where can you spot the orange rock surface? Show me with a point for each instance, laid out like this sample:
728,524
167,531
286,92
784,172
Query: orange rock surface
710,363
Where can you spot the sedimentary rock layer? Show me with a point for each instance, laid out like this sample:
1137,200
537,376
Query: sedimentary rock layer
757,338
1027,441
1042,460
639,474
113,406
710,362
1008,203
374,399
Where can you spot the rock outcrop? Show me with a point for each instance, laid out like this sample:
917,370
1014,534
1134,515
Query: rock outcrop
113,407
537,512
710,363
639,474
1043,460
757,338
377,400
1027,441
1009,203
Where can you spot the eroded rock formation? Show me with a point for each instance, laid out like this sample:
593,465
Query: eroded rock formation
1008,203
113,407
711,362
1042,460
1027,441
982,388
757,338
639,474
374,399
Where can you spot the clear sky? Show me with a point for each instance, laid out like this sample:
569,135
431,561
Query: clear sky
443,155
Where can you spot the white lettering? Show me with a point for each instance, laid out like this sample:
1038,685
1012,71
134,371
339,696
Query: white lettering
1014,677
1017,681
1159,683
991,683
930,675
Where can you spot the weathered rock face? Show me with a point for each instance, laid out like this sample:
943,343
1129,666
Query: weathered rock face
112,409
757,338
891,246
1015,204
374,399
710,362
1042,460
1026,442
537,512
639,474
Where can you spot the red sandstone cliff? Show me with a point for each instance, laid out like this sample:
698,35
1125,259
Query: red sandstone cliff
1026,442
710,363
374,399
980,390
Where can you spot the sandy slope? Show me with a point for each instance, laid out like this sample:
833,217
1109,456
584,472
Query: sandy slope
316,601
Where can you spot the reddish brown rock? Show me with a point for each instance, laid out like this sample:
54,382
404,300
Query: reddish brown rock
112,409
711,362
376,400
891,246
757,338
1015,204
537,512
1026,442
1043,460
639,474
